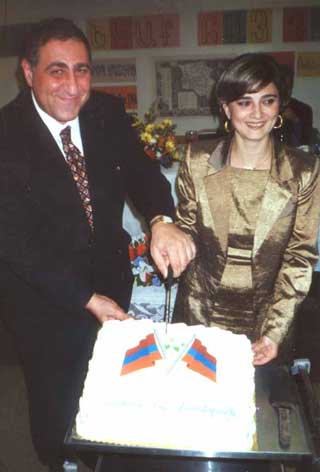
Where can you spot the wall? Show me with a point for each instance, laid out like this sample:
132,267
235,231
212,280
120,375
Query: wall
24,11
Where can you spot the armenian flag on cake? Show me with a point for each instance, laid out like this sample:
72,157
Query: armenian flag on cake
141,356
199,360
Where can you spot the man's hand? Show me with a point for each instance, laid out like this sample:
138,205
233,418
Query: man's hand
104,308
171,246
264,350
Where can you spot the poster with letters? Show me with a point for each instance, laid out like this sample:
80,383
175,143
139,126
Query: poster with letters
113,70
134,32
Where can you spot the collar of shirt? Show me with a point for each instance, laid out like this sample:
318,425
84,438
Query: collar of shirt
55,127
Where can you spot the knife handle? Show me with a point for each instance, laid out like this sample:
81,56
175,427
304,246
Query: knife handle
284,427
168,282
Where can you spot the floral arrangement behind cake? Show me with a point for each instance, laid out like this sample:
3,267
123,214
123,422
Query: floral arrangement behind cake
159,138
143,269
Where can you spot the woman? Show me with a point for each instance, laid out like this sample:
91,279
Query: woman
252,208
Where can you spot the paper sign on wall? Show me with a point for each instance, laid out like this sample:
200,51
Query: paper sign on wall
259,25
127,92
301,24
308,64
134,32
210,28
235,26
113,70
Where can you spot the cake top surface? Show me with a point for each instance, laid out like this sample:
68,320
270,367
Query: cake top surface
152,386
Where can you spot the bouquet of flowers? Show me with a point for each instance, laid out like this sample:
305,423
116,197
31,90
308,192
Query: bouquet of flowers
144,272
158,138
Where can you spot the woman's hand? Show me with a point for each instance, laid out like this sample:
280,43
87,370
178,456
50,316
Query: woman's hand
264,350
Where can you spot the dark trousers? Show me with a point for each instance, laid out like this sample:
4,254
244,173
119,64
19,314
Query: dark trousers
54,352
307,338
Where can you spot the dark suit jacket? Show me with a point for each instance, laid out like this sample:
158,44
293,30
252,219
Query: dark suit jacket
49,262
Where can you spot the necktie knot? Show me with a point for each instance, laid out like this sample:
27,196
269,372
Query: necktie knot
65,135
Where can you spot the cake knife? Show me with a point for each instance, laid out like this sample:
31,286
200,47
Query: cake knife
283,400
168,284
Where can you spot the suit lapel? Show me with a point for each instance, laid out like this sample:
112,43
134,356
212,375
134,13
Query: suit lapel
97,133
51,174
217,184
97,141
277,198
39,142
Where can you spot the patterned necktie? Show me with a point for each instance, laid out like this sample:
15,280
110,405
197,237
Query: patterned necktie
78,169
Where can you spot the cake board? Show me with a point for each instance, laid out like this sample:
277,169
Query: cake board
266,450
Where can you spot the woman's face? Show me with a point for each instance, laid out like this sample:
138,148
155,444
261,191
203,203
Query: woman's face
254,114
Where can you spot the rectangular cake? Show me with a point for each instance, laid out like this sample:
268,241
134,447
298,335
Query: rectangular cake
187,387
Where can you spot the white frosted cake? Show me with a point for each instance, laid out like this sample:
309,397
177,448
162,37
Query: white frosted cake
191,388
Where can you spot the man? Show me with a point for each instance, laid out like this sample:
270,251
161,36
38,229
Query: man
63,252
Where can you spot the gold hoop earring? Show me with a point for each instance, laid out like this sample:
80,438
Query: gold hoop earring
226,126
280,122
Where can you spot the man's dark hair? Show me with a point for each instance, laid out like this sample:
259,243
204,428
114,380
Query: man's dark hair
249,73
41,33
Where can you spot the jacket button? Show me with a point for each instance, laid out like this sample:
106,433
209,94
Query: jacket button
118,168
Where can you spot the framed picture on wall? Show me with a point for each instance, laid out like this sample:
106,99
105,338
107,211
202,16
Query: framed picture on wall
184,85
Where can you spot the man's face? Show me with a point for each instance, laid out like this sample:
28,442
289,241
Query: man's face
61,79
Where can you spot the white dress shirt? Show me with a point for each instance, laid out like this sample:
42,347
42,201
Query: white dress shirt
55,127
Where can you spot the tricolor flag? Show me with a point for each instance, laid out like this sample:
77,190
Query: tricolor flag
199,360
143,355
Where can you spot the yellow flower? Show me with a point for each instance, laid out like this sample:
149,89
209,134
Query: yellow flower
146,137
170,145
158,137
149,128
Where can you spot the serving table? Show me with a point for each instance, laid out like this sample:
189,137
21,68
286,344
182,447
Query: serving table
267,450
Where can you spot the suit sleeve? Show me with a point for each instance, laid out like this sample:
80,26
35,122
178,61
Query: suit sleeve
295,274
187,207
147,188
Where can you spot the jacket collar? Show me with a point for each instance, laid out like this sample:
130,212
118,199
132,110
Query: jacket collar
280,167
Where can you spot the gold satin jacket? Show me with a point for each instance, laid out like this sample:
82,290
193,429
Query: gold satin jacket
285,239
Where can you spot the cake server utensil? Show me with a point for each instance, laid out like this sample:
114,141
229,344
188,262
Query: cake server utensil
167,307
283,401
